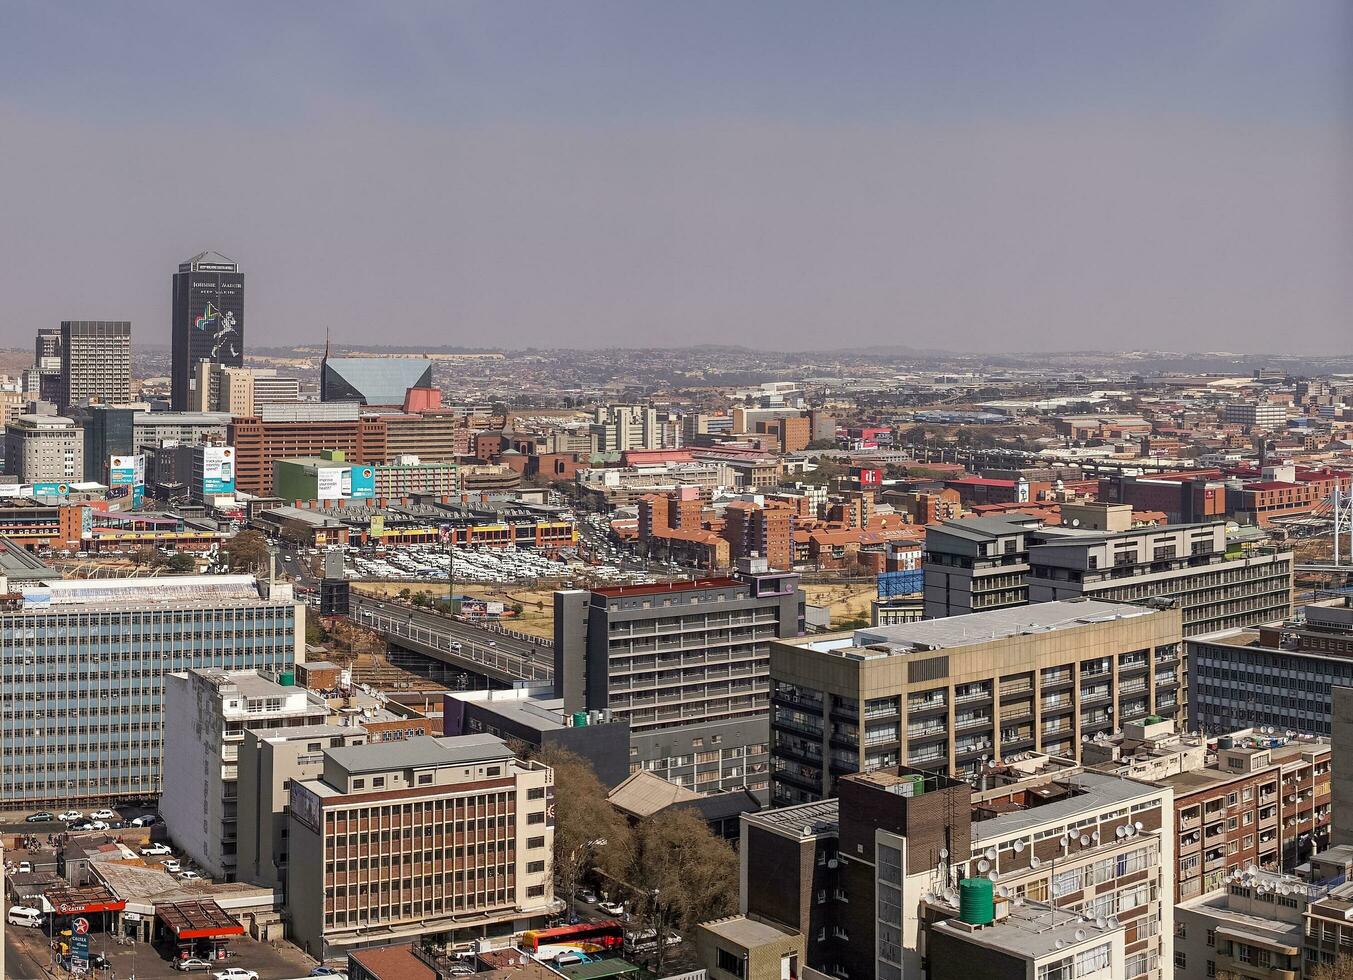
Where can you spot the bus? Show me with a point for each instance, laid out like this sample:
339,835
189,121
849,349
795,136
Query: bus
586,937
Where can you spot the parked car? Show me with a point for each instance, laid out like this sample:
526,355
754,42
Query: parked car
236,973
588,896
103,815
25,867
189,875
171,865
146,819
156,850
21,915
325,971
616,909
194,963
70,816
42,816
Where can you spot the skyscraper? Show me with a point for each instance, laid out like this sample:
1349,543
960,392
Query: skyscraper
96,363
47,360
208,319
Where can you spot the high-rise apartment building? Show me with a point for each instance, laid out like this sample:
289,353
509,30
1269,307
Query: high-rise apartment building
208,320
952,694
83,664
442,838
47,362
685,663
616,428
44,449
1076,865
1266,416
990,563
96,363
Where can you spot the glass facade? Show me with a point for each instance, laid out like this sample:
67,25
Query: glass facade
82,716
372,380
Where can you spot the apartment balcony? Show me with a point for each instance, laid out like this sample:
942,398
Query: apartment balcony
926,707
1058,680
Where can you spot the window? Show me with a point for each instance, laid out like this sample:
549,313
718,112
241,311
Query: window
1212,937
424,778
731,963
377,782
536,793
535,842
537,817
359,784
1180,961
535,867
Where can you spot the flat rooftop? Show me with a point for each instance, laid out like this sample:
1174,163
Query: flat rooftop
1035,931
745,932
805,821
420,753
657,588
977,628
1097,792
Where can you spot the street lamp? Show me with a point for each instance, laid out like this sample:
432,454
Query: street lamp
586,846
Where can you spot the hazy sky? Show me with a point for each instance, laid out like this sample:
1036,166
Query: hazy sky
1001,176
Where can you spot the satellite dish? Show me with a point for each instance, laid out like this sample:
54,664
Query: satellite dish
1080,934
1035,862
1139,826
944,852
1059,944
1084,840
1114,922
984,865
993,876
991,854
1019,847
1120,832
1101,922
1003,891
1094,835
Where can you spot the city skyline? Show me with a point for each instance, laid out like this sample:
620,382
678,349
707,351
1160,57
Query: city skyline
653,176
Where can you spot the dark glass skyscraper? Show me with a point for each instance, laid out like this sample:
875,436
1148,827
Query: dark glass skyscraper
208,319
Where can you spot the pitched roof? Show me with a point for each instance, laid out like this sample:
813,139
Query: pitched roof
644,794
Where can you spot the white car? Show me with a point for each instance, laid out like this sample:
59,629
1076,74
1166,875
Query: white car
70,816
171,865
189,875
616,909
145,820
156,850
103,815
235,973
25,867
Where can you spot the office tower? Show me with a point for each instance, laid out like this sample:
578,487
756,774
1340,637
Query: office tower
372,380
1280,675
208,320
1266,416
269,389
83,665
685,663
470,825
47,361
205,714
870,881
44,449
951,694
108,432
96,363
989,563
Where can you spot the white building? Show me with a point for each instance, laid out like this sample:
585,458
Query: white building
206,713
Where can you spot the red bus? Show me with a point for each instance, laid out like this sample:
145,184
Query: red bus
589,937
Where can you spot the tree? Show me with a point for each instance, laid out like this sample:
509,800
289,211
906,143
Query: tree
821,444
182,562
1340,969
681,874
247,552
582,817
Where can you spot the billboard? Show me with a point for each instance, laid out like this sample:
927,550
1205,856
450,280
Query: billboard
218,470
51,489
345,483
362,480
329,482
127,480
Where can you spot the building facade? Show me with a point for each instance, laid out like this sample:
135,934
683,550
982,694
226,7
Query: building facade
952,694
469,827
96,363
83,664
686,664
44,449
208,320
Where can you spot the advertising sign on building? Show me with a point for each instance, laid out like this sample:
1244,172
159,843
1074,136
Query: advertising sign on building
329,482
127,480
51,489
362,479
218,470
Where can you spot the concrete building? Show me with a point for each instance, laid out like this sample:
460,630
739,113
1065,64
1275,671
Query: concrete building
949,694
865,879
270,389
151,430
372,380
44,449
1341,788
96,363
208,320
1252,926
206,713
470,825
83,664
410,476
221,388
1279,676
1255,415
47,361
1026,941
616,428
284,431
686,664
534,716
988,563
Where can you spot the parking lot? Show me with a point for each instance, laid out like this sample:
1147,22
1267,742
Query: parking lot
506,566
27,958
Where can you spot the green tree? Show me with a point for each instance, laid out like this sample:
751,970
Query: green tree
582,818
182,562
681,875
247,552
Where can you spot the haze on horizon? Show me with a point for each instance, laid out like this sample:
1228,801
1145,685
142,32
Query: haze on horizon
792,175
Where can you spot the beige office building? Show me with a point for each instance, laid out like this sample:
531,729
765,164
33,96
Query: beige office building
952,694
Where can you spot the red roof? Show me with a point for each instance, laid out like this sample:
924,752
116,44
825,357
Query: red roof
980,481
656,588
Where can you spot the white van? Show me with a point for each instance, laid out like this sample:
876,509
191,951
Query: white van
23,916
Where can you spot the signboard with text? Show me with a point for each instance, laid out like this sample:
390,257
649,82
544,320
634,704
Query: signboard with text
218,470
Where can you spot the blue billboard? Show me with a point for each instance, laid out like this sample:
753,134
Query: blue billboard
218,470
127,479
363,480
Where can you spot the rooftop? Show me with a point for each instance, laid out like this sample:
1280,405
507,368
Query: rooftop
420,753
1035,931
657,588
746,933
1095,792
977,628
805,821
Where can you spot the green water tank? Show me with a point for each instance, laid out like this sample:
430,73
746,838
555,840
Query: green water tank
287,680
976,901
1154,719
580,719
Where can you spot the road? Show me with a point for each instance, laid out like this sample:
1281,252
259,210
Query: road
464,645
20,963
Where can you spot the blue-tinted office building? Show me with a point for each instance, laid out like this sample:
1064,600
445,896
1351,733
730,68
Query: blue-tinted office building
82,666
